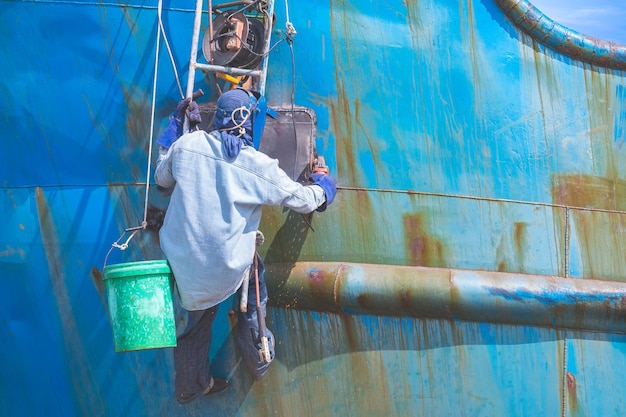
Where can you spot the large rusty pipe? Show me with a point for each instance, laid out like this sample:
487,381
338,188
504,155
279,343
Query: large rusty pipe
562,39
479,296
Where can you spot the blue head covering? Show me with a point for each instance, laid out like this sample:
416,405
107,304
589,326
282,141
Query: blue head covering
233,119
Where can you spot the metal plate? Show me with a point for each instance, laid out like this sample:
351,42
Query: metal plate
290,137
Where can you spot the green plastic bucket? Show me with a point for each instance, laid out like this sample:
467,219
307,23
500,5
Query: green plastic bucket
139,295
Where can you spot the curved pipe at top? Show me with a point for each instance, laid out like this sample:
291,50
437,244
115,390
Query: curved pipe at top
562,39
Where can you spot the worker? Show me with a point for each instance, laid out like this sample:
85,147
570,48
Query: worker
220,183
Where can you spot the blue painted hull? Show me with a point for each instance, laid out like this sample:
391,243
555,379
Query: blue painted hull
466,143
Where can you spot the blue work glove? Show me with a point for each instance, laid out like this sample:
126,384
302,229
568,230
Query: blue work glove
328,185
169,135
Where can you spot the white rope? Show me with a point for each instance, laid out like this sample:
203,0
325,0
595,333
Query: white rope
169,50
291,30
287,10
154,89
144,223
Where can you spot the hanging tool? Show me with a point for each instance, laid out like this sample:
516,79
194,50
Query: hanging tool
264,351
243,302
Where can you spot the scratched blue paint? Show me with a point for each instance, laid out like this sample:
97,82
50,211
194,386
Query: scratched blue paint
620,116
455,100
555,296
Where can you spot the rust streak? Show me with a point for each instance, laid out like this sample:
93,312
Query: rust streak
98,283
81,372
519,239
571,391
423,250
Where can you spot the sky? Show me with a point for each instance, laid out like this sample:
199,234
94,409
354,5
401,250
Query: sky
604,19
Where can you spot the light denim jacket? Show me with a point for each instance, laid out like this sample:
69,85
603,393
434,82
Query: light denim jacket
209,231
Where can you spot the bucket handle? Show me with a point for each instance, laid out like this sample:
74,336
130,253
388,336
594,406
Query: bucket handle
124,245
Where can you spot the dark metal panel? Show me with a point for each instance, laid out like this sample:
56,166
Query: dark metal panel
288,136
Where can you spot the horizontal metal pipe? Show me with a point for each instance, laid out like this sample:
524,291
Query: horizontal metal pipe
479,296
562,39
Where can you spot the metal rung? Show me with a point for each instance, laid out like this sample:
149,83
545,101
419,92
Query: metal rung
228,70
193,58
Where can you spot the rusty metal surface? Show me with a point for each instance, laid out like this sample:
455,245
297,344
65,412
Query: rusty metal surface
459,142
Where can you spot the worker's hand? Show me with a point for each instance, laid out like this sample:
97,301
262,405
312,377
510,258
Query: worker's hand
328,185
193,113
174,129
181,109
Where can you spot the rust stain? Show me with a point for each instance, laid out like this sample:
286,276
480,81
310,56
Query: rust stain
406,297
341,111
571,392
589,191
316,278
358,227
10,252
519,235
519,240
320,283
133,146
82,374
98,283
599,234
343,129
350,329
363,300
423,249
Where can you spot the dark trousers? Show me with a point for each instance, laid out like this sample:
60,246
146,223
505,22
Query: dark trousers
191,355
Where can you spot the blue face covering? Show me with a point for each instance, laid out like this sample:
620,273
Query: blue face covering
234,121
